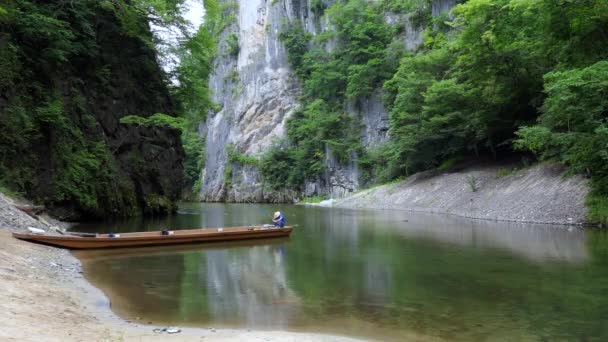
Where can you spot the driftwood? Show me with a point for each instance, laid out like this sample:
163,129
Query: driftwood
32,210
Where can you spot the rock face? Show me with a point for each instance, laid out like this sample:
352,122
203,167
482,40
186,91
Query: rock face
441,6
82,161
258,91
149,158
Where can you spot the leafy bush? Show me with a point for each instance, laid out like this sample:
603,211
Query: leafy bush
278,166
158,119
296,42
232,42
318,7
237,157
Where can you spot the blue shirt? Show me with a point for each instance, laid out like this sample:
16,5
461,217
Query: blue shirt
281,221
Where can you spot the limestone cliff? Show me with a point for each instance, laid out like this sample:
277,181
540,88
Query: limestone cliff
258,91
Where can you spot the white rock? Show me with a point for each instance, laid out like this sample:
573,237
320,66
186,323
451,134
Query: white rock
327,203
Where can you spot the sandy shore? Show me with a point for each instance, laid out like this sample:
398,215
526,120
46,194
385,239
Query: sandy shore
45,298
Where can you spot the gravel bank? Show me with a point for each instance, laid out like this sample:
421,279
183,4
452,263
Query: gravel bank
541,194
46,298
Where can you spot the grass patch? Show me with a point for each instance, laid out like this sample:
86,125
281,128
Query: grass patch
505,172
472,182
313,199
598,208
10,193
449,164
394,181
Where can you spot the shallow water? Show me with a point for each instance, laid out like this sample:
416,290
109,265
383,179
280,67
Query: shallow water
378,274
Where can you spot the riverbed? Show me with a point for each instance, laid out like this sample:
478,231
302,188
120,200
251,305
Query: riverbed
387,275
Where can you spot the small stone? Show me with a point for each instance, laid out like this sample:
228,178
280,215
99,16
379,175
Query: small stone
173,330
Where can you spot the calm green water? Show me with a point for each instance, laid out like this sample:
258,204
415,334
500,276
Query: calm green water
377,274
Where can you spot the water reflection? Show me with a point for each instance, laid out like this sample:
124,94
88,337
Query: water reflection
248,289
231,283
534,241
381,274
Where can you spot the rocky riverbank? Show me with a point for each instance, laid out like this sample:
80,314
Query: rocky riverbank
539,194
46,298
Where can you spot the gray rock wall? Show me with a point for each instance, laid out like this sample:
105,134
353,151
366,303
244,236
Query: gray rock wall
258,92
439,6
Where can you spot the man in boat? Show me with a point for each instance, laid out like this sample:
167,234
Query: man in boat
279,219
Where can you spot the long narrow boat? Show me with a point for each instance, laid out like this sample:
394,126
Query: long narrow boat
91,241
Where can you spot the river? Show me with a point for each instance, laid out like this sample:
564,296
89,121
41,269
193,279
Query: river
386,275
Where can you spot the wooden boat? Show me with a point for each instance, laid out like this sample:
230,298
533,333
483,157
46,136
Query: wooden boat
91,241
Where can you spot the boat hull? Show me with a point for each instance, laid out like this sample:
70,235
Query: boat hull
156,238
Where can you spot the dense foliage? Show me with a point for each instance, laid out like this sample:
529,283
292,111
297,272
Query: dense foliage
491,78
63,67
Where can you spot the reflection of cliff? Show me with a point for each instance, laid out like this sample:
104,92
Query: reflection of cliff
446,276
535,242
250,286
